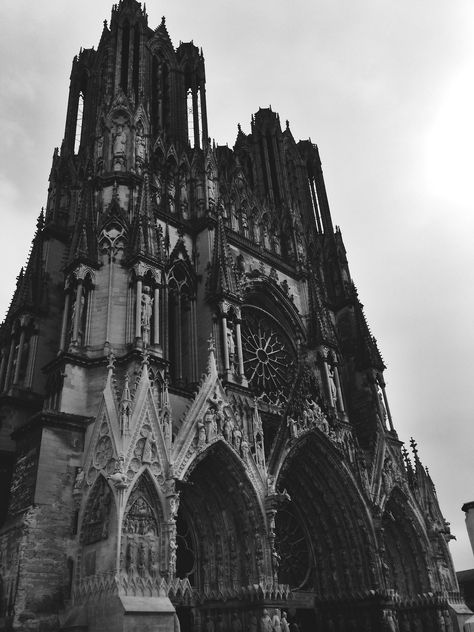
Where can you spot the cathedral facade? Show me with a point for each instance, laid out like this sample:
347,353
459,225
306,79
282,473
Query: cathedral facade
194,426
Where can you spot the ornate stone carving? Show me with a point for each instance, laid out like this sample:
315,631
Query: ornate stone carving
96,519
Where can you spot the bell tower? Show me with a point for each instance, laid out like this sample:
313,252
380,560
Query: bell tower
194,423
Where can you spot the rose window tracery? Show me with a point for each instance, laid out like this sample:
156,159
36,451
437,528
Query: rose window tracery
293,547
269,357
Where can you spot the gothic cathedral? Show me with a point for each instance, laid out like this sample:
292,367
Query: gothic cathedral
194,431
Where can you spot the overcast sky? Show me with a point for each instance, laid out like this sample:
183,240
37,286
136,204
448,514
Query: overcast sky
385,89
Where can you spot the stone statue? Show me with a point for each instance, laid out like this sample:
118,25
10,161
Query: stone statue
235,624
332,386
266,622
79,481
147,307
253,623
276,623
245,448
159,190
201,433
230,344
208,624
147,451
139,146
172,559
211,424
119,146
228,430
142,558
237,438
284,623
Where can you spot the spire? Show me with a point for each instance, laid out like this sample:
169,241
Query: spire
222,281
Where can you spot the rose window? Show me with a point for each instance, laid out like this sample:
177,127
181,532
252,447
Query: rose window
269,357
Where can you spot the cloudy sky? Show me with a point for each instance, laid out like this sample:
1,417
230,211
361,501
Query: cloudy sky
386,90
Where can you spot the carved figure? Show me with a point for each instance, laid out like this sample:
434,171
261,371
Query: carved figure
79,481
159,190
237,437
293,427
230,343
120,140
172,559
142,558
276,624
147,307
265,622
147,451
139,146
131,557
209,624
284,623
332,386
253,623
201,433
228,430
211,424
245,448
236,624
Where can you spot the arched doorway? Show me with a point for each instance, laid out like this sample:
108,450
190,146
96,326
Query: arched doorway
220,533
324,536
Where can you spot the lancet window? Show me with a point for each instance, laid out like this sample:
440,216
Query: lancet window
181,326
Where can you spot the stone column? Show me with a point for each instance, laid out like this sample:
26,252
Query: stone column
156,316
67,302
224,342
10,360
77,313
340,401
238,343
138,309
31,361
387,409
18,355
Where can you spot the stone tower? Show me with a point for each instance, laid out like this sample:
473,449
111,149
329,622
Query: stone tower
194,424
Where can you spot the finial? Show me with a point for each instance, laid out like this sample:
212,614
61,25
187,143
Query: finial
239,128
163,20
287,124
105,25
145,357
111,362
115,190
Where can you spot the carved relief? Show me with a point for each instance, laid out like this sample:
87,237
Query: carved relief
96,520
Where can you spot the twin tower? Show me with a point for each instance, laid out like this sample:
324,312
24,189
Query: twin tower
194,425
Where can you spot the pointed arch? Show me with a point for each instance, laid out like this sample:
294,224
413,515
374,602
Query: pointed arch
404,548
142,541
324,534
221,524
98,530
